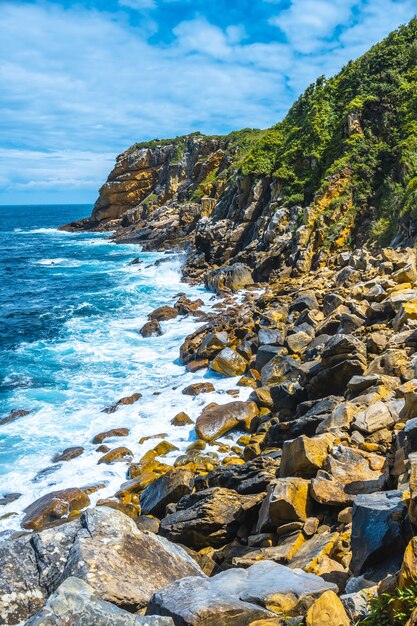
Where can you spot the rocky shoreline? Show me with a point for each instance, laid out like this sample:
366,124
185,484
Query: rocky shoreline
307,516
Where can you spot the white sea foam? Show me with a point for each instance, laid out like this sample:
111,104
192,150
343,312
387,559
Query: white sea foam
100,360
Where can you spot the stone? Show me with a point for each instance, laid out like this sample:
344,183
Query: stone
68,454
233,277
181,419
20,592
196,388
163,313
166,489
228,362
212,344
287,500
298,342
343,357
75,602
378,528
127,400
305,300
116,455
327,609
53,507
346,473
239,596
151,329
218,419
197,364
13,416
110,434
8,498
303,456
373,418
209,518
251,477
270,337
124,565
281,368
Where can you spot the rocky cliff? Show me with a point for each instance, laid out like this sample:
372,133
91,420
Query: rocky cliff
338,172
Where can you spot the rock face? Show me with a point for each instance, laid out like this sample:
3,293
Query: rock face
75,602
124,565
239,596
218,419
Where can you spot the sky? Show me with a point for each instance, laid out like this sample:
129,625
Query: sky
82,80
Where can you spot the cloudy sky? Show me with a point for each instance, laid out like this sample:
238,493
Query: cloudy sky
81,80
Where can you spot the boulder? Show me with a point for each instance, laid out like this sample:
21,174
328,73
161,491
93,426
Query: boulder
196,388
327,609
228,362
163,313
75,602
281,368
251,477
379,531
212,344
233,277
239,596
218,419
166,489
124,565
54,506
181,419
306,300
303,456
210,517
373,418
127,400
68,454
346,473
343,357
287,500
116,455
110,434
151,329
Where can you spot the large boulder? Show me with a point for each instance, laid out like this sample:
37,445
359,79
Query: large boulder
379,529
287,500
348,472
233,277
210,517
327,609
218,419
303,456
75,602
238,596
54,506
229,363
166,489
123,564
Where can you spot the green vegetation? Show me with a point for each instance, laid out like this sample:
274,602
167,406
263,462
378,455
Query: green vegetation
363,119
391,610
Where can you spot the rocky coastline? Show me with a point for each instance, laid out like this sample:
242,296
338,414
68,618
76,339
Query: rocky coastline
308,515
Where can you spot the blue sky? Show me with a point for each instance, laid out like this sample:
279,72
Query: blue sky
82,80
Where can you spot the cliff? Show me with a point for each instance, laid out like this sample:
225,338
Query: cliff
339,171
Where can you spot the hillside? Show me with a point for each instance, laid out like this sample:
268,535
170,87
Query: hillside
339,171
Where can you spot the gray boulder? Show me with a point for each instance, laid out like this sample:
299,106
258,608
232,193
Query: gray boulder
237,597
75,602
166,489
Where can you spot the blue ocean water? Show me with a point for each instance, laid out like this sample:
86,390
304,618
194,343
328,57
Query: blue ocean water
71,306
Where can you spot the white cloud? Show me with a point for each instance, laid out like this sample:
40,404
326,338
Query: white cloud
85,82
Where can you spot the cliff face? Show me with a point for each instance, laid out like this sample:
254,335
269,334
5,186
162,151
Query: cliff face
340,171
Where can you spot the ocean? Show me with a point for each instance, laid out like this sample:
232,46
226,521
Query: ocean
71,306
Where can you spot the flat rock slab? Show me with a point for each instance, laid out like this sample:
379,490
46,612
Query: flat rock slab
123,564
75,602
237,597
218,419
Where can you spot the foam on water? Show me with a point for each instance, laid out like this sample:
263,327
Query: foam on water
80,352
